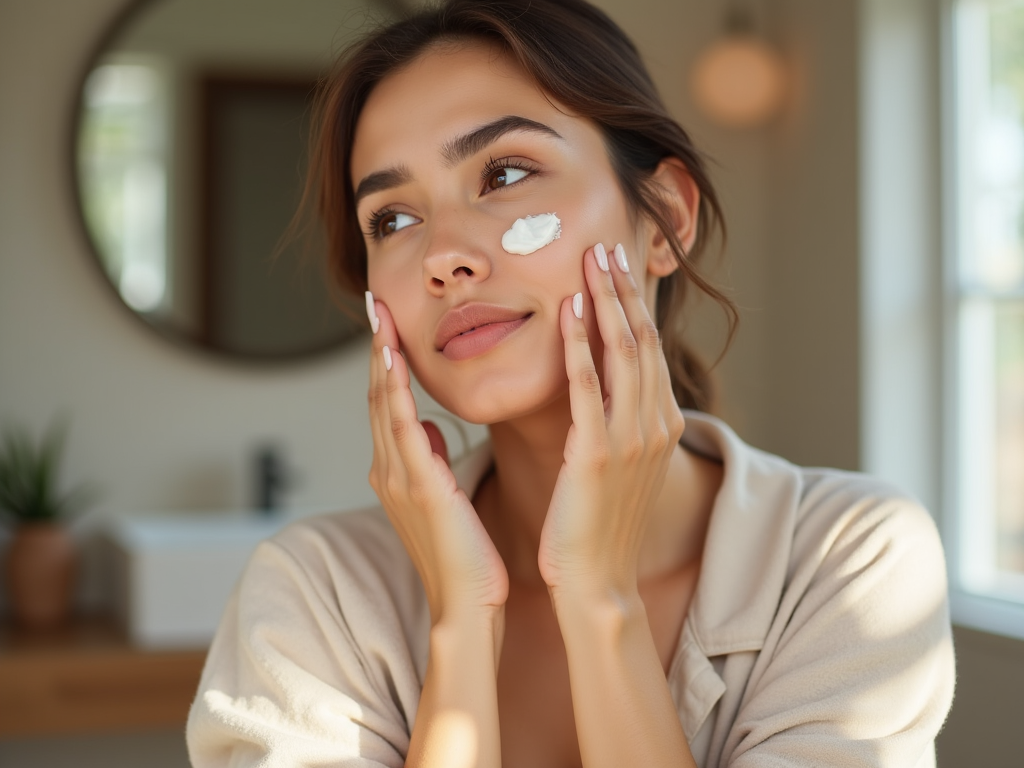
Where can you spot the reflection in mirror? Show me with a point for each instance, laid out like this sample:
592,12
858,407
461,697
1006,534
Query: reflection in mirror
190,159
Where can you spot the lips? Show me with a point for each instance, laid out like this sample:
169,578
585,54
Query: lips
473,329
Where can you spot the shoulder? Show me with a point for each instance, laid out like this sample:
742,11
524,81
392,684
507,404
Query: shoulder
360,543
784,539
353,562
856,662
364,532
862,521
320,652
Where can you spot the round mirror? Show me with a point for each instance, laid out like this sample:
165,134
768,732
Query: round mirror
189,154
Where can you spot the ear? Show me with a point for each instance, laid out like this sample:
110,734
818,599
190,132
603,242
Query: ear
680,191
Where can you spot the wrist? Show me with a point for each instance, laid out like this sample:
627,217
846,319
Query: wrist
471,618
464,634
603,608
596,592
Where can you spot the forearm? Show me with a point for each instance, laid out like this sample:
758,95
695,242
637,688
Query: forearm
457,720
624,712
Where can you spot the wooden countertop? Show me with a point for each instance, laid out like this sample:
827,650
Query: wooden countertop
86,677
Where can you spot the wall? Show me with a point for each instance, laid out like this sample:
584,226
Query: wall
813,365
983,728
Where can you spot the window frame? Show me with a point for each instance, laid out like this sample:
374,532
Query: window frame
909,291
973,608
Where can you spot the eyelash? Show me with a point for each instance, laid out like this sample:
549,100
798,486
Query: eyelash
373,225
492,165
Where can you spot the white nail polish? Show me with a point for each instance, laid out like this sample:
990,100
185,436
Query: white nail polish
371,313
387,358
602,256
577,305
620,256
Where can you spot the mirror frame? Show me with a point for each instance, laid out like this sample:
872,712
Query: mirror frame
168,332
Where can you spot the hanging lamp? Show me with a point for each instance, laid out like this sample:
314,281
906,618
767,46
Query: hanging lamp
738,81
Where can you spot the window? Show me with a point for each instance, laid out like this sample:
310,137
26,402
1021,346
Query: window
986,282
124,161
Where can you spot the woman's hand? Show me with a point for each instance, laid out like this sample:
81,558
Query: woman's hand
461,570
621,440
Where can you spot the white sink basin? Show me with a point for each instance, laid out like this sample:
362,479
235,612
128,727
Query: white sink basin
173,573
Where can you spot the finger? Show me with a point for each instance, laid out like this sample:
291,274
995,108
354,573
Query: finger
376,401
437,441
648,340
386,337
585,399
674,420
621,367
387,333
405,438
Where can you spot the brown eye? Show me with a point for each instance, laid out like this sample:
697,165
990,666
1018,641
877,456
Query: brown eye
503,177
386,225
389,223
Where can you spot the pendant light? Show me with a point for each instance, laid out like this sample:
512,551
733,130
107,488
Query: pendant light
738,80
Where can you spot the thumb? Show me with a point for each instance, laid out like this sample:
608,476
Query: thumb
437,443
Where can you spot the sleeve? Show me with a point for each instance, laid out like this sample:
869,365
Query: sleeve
858,669
286,684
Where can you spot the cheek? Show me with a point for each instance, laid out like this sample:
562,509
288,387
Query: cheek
598,215
396,288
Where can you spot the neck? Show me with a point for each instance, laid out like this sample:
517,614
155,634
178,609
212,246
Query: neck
528,454
513,500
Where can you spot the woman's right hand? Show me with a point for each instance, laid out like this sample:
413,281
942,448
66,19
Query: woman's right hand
461,570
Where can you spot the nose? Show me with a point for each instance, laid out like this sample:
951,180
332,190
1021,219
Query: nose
454,257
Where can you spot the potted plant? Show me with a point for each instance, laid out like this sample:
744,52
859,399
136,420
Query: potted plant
41,561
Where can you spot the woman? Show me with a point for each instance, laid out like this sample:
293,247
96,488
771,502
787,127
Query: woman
609,581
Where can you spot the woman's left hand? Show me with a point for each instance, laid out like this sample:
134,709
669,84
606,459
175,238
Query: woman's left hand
621,439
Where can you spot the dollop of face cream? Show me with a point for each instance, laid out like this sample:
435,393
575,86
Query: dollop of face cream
529,234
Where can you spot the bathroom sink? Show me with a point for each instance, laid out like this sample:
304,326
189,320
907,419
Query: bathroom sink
173,573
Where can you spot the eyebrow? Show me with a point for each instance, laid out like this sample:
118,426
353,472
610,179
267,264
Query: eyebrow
379,181
458,149
454,151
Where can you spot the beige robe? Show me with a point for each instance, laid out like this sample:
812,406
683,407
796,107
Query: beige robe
818,635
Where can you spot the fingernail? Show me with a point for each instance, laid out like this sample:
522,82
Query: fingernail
620,256
602,256
371,313
387,358
577,305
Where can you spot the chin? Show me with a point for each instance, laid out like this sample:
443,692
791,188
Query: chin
492,397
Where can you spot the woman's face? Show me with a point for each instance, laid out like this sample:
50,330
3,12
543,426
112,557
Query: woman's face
448,153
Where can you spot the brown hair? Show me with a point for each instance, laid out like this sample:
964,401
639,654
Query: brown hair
585,62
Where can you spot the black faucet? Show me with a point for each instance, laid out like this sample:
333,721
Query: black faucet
272,478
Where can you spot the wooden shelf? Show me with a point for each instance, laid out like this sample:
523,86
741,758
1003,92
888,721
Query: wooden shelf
86,677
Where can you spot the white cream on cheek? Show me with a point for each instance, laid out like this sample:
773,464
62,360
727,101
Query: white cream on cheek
532,233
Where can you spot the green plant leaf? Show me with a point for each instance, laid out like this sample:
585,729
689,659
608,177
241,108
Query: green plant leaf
30,477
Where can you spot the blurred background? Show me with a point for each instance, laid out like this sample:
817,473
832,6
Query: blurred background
870,158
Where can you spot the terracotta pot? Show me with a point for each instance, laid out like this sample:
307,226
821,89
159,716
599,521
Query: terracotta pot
41,566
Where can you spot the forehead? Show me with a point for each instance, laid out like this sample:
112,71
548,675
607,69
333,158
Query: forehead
448,90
